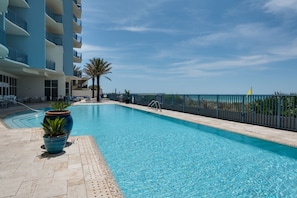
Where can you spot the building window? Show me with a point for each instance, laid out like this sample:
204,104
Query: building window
8,85
67,89
51,90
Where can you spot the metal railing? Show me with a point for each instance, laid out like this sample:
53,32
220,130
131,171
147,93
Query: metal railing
17,55
155,104
77,38
56,17
275,111
77,54
57,39
2,37
77,21
50,65
14,18
77,73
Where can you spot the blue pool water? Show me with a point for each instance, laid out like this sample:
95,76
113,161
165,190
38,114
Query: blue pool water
155,156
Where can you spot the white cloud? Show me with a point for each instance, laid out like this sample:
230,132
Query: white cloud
239,34
281,6
143,29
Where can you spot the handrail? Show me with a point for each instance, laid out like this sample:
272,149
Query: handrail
156,104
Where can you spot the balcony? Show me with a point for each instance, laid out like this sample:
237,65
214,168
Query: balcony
15,25
77,9
56,17
77,25
3,49
54,38
55,5
50,65
77,74
77,41
54,22
11,16
16,55
77,57
19,3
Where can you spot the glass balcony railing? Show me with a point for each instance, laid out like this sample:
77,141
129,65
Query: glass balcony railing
56,17
50,65
2,37
77,38
77,54
78,4
14,18
17,55
78,22
77,74
57,39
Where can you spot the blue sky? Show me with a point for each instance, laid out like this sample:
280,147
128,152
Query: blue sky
193,46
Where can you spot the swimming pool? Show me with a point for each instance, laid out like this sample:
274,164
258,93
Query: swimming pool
155,156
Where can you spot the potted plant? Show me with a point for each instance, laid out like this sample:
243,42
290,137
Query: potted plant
59,110
54,135
127,96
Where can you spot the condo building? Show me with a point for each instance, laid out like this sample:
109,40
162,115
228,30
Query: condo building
39,46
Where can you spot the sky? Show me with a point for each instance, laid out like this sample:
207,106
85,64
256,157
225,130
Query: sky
193,46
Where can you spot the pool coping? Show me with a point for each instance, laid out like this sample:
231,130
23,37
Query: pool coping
284,137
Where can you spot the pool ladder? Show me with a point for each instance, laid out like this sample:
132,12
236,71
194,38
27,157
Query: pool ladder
155,104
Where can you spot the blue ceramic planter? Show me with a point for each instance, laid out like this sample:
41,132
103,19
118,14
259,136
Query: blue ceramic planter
55,145
61,114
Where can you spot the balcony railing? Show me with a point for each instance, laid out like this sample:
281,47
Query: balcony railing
50,65
57,39
77,54
56,17
77,38
14,18
17,56
77,74
275,111
78,4
2,37
78,21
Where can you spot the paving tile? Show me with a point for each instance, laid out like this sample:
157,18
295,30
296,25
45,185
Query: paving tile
74,173
27,188
9,186
50,188
76,189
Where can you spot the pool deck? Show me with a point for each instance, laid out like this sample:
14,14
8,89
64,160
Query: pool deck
26,170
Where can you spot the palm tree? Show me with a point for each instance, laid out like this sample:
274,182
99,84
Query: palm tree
102,69
99,67
90,71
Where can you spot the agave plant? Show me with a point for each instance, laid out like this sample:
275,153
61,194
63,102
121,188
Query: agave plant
54,128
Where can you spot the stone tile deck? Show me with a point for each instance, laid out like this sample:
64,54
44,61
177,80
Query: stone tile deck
27,171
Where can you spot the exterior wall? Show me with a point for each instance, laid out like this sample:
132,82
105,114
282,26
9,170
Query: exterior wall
31,87
56,53
68,37
35,45
83,93
34,86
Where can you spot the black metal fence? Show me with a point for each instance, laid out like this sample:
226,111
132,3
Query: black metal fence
275,111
